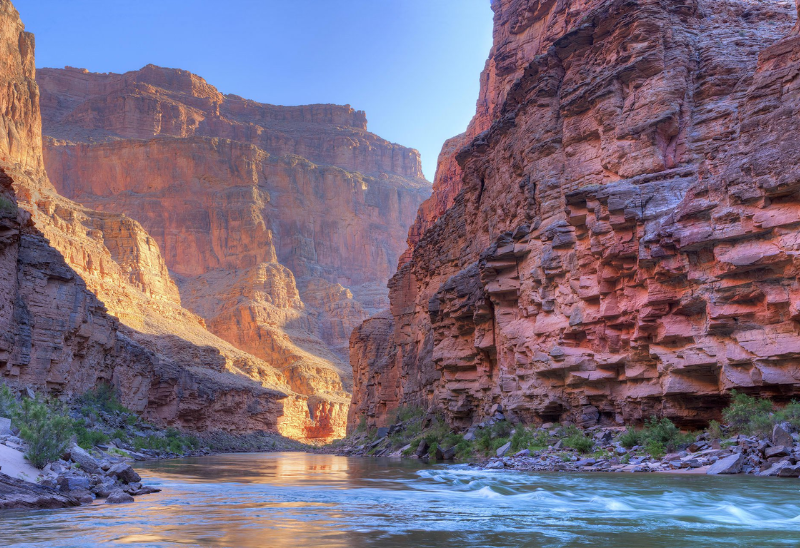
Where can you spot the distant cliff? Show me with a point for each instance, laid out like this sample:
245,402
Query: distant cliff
280,225
615,235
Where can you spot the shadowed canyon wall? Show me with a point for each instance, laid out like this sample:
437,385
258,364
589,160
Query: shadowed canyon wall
55,334
616,234
279,225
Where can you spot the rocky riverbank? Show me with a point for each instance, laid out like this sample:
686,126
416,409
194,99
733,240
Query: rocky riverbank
79,477
87,450
777,456
758,439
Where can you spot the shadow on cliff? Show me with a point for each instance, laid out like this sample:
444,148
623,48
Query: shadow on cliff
58,337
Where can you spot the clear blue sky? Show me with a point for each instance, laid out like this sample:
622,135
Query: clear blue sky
412,65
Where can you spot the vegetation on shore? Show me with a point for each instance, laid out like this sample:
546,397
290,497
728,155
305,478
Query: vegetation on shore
48,426
413,432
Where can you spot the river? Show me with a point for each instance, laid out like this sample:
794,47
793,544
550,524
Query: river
293,500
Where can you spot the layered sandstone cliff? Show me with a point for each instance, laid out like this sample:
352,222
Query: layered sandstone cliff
619,236
55,334
280,225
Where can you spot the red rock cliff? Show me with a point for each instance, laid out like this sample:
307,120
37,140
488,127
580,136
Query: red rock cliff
620,235
55,334
281,225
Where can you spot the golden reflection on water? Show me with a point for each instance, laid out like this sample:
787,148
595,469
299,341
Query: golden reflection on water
263,520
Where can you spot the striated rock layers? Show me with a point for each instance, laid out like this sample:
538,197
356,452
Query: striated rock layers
279,225
619,235
55,334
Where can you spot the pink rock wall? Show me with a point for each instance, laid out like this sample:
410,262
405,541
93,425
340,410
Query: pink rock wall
623,242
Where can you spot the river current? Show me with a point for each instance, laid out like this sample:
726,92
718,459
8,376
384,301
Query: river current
294,500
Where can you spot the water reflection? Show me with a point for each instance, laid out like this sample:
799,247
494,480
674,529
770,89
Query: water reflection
294,500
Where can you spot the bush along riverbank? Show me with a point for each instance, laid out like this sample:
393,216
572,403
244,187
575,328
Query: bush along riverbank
756,437
54,455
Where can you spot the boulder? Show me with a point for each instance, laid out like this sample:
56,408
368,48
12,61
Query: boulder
5,426
105,487
778,451
73,483
422,449
789,470
383,432
503,449
727,465
84,496
119,497
697,446
781,436
84,459
523,453
449,454
124,473
145,490
496,465
783,469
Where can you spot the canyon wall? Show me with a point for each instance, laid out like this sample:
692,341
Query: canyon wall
616,235
279,225
56,336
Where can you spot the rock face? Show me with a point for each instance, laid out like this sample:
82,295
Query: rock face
280,225
57,258
618,236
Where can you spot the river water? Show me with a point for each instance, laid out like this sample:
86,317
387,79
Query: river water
293,500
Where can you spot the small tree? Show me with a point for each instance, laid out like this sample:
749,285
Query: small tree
8,403
46,431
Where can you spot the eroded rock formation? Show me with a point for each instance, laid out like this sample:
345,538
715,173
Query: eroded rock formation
57,257
280,225
619,237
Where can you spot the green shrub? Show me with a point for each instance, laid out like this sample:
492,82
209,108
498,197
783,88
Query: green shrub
88,438
432,451
102,398
580,442
655,448
790,414
404,413
451,440
657,437
528,438
666,433
630,438
46,430
464,450
748,415
172,441
483,440
501,429
497,443
8,402
714,430
7,207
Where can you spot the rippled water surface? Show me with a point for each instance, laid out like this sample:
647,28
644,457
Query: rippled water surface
296,500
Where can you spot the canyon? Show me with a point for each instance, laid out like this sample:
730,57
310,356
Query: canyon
57,335
205,254
615,235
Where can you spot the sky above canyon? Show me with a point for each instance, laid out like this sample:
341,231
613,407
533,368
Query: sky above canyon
412,65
